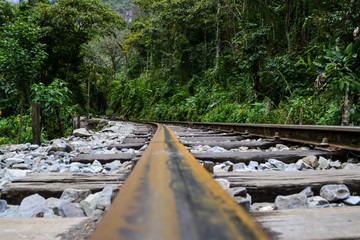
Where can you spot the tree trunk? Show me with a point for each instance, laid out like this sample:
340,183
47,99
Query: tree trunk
36,123
88,99
217,56
346,109
255,79
287,23
59,123
125,66
22,100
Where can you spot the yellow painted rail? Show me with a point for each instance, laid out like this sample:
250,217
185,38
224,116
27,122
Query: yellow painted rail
169,195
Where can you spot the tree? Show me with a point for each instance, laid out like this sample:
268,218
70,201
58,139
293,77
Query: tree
67,26
21,57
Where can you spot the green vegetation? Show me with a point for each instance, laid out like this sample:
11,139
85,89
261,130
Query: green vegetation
293,62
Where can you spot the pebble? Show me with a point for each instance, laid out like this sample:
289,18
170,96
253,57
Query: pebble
334,192
89,204
262,207
209,166
317,202
19,160
224,183
352,200
245,202
291,201
323,163
68,209
75,195
3,205
237,192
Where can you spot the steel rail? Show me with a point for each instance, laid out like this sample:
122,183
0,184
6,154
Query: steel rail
169,195
343,137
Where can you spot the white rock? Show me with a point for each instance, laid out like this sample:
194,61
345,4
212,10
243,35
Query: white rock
81,132
12,174
334,192
282,147
218,149
335,164
244,202
105,198
323,163
291,201
253,165
219,168
350,166
238,167
225,184
89,204
75,195
352,200
317,202
278,164
311,160
33,206
291,168
308,192
68,209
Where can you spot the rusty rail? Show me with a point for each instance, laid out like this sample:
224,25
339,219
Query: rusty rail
170,196
343,137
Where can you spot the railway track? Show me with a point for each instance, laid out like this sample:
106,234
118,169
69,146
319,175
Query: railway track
237,193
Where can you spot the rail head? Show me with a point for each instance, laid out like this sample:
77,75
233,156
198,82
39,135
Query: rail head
169,195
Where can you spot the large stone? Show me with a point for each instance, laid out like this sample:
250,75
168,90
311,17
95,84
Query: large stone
113,166
105,198
82,132
225,184
12,174
19,147
209,166
334,192
278,164
253,165
68,209
291,168
53,204
352,200
3,183
89,204
317,202
262,207
3,205
323,163
238,167
244,202
349,166
282,147
291,201
300,165
10,212
11,161
74,169
237,192
308,192
311,160
75,195
59,145
220,168
335,164
217,149
96,167
33,206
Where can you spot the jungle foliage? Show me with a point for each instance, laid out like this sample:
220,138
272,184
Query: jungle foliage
293,62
